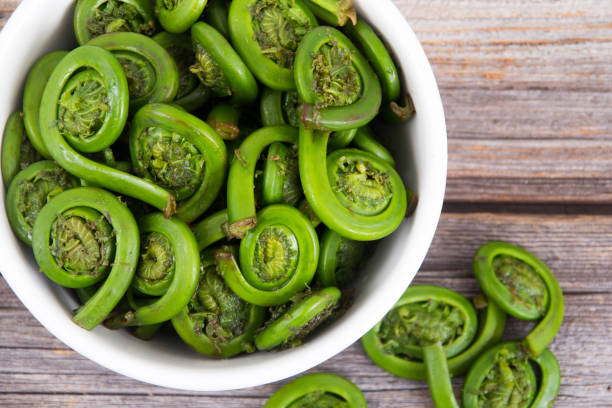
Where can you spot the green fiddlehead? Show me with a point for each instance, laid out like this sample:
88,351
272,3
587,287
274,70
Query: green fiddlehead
491,325
30,190
523,286
281,178
116,98
365,140
219,67
224,118
307,312
278,258
429,323
216,322
355,194
504,377
181,153
334,12
266,33
93,18
17,151
152,75
32,95
280,108
339,260
73,244
210,229
241,178
216,15
191,94
176,16
339,88
177,252
318,390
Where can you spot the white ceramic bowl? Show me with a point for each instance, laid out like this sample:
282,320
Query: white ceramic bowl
40,26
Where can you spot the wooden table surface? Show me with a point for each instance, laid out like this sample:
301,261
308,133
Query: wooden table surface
527,89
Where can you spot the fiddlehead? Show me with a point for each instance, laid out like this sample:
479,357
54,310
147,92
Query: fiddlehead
113,85
219,67
334,12
191,94
181,153
280,108
224,118
151,73
178,250
241,178
176,16
32,95
306,313
278,257
340,260
504,377
73,245
365,140
318,390
523,286
355,194
491,325
93,18
30,190
429,323
339,88
210,229
266,34
216,322
17,151
217,14
281,178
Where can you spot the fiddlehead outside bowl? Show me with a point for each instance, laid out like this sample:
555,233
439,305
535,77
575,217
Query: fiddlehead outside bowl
152,75
278,258
32,95
219,67
241,178
355,194
179,248
504,377
266,34
491,325
176,16
93,18
216,322
523,286
181,153
17,151
339,88
76,223
113,84
297,320
318,390
428,322
191,94
30,190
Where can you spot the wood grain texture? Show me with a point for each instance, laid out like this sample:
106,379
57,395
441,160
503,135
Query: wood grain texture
576,248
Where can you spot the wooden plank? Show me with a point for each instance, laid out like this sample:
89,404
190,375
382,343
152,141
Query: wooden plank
576,248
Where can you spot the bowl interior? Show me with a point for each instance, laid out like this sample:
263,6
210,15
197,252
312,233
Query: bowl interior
38,27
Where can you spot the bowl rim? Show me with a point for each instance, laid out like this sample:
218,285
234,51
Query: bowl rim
182,373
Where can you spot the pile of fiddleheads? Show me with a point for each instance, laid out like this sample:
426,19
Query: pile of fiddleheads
174,168
432,334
